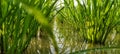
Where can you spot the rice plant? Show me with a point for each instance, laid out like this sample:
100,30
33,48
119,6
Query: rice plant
20,21
96,18
92,20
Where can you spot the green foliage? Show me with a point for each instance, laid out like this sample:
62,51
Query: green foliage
15,24
20,20
95,18
90,21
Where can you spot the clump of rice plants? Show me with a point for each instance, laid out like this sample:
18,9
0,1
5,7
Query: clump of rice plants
90,22
16,28
20,21
95,18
